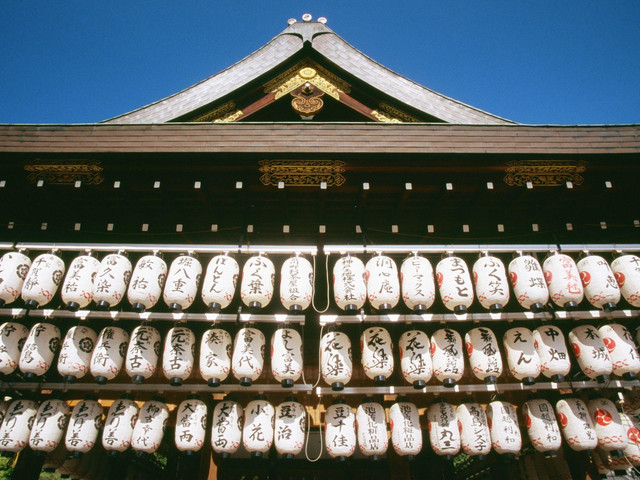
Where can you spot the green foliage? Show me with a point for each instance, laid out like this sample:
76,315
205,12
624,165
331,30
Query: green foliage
6,468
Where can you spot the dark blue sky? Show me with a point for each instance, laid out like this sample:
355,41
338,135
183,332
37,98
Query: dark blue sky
542,62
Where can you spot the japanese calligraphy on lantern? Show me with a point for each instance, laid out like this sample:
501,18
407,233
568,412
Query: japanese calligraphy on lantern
528,282
418,285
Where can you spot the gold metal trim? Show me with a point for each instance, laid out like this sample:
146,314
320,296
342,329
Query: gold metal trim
302,173
395,113
303,72
217,114
381,117
544,173
65,172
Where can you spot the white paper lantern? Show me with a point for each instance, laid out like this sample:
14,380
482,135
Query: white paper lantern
191,424
84,425
220,280
475,437
503,426
16,427
147,281
454,283
181,287
611,433
340,430
632,452
622,350
591,352
49,425
528,282
418,285
336,363
626,269
444,434
150,425
142,354
383,285
600,286
4,406
248,355
406,436
415,359
54,459
286,356
490,280
77,289
371,425
108,355
522,357
552,351
12,338
289,430
446,356
485,359
377,354
576,424
41,346
257,432
14,267
296,284
177,358
258,279
226,427
215,356
111,281
542,427
349,288
563,280
74,360
43,280
118,427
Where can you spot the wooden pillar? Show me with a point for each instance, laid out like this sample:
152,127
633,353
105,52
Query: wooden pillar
28,465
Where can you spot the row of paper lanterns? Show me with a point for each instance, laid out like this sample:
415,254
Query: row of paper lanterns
107,282
467,427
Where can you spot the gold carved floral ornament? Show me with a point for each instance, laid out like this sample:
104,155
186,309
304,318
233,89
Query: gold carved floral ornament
544,173
299,173
65,172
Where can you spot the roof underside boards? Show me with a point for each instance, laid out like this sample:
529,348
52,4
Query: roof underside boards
283,47
323,138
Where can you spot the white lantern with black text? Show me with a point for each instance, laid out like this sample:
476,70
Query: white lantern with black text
108,354
215,356
257,432
118,427
42,344
541,425
475,437
191,424
377,354
340,430
226,427
16,427
74,360
177,357
563,279
600,286
632,452
181,287
418,285
576,424
220,280
529,285
43,280
77,289
142,354
444,434
49,425
415,359
289,430
14,267
84,425
371,425
522,357
111,281
147,280
446,356
552,351
503,426
626,270
454,283
4,406
383,285
286,356
248,355
296,284
611,433
149,428
349,287
484,354
12,338
622,350
406,436
591,352
490,280
336,364
258,279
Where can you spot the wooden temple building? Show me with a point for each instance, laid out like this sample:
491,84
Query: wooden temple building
308,146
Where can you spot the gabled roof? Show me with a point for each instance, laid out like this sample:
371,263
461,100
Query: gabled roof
324,44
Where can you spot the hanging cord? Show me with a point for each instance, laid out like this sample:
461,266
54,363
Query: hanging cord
304,381
313,294
306,440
